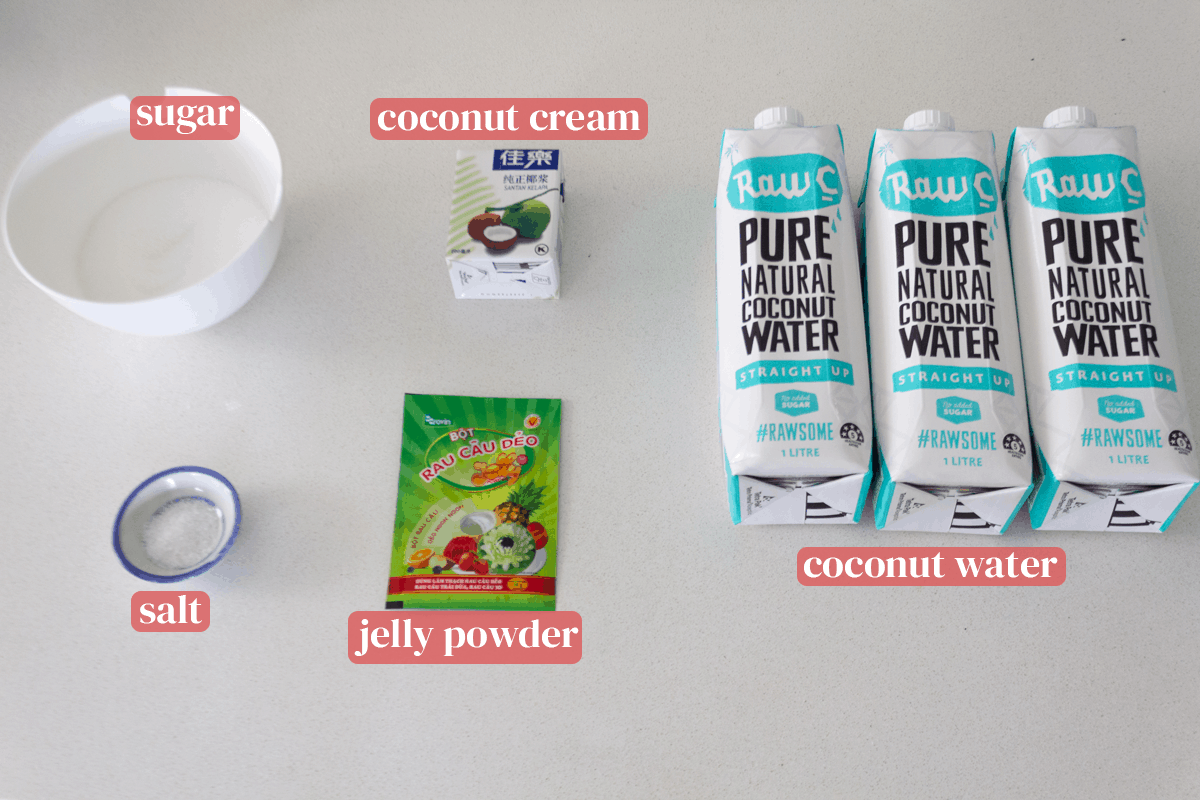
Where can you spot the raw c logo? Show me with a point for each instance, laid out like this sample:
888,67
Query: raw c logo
780,184
1100,184
940,187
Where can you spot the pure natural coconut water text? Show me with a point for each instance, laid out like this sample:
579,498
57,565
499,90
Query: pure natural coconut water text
949,396
1110,419
795,398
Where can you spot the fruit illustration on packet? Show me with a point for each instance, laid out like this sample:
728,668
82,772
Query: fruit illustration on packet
503,467
510,542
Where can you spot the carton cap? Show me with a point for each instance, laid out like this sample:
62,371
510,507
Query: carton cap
778,117
929,119
1070,117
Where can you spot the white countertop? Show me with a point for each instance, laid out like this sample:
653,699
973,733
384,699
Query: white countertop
707,670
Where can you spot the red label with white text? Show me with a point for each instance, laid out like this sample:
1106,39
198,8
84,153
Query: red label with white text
531,119
185,117
176,611
931,566
464,637
525,584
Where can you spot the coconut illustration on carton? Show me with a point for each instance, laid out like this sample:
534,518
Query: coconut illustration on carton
527,219
490,230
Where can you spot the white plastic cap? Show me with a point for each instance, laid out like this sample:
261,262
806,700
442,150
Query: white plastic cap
778,117
929,119
1070,117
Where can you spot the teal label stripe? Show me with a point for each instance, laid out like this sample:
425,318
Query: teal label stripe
956,378
1107,376
816,370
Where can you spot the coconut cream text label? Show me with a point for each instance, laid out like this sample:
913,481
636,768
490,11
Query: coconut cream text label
483,118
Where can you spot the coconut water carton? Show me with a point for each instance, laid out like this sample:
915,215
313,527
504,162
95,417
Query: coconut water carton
950,412
795,400
505,220
1106,398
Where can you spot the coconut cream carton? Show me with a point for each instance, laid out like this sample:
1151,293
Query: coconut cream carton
950,411
1110,419
795,397
505,220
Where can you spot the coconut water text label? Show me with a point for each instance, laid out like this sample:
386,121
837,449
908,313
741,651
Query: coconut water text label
931,566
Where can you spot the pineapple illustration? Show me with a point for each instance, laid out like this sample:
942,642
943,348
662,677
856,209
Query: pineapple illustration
521,503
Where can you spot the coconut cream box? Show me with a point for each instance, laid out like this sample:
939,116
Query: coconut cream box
950,414
1106,398
795,396
505,220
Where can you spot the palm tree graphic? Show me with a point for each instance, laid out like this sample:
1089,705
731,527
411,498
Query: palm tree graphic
1025,149
884,151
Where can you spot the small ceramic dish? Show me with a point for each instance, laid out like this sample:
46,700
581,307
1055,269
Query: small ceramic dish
177,524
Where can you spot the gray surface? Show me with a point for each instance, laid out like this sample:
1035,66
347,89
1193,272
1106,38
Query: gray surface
708,671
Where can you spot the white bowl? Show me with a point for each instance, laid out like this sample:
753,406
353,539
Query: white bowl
149,237
159,491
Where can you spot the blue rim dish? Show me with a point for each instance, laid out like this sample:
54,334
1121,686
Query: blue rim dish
206,566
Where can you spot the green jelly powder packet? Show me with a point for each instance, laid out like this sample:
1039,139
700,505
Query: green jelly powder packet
477,509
